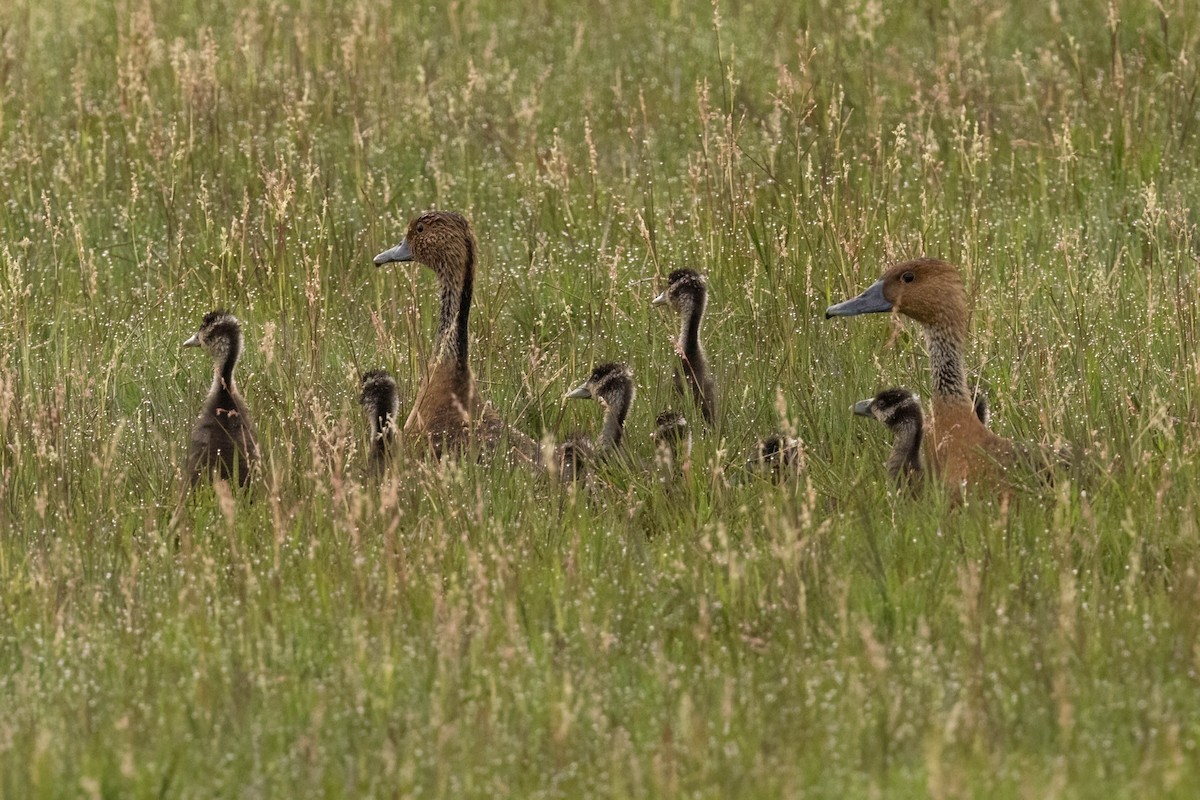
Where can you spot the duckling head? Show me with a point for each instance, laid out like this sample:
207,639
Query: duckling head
927,290
379,396
686,290
670,428
776,454
611,384
441,240
220,334
892,407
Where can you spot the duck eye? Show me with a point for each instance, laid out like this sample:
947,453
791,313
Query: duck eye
420,227
907,277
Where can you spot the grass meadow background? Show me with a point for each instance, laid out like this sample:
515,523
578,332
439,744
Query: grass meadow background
473,631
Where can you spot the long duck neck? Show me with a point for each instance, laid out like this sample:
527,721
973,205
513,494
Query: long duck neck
457,284
905,460
615,411
689,337
946,343
223,368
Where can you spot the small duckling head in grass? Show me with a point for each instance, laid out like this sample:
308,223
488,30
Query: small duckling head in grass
900,410
778,456
222,440
671,432
672,440
612,386
380,401
687,295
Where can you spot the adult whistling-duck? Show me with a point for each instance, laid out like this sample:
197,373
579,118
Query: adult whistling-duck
959,449
448,412
222,440
687,295
380,402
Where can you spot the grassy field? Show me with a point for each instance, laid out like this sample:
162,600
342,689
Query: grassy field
470,631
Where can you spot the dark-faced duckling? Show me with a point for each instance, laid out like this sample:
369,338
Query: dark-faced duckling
672,442
960,450
380,401
777,456
612,386
900,410
687,295
448,412
222,440
671,433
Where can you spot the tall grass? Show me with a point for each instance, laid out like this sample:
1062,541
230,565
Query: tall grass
468,630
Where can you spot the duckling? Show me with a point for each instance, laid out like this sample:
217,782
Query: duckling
900,410
960,450
672,436
612,386
448,411
222,440
687,295
380,401
777,455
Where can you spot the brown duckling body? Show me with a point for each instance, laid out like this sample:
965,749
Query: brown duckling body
448,412
380,401
687,295
959,448
612,386
222,442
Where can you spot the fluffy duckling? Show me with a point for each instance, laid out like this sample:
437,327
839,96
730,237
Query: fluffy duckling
222,440
671,434
448,411
959,448
612,386
687,295
900,410
672,442
778,456
380,401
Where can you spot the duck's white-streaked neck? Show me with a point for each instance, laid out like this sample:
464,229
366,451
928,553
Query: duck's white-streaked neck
946,344
456,283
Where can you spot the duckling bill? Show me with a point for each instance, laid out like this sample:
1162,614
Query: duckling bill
222,442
